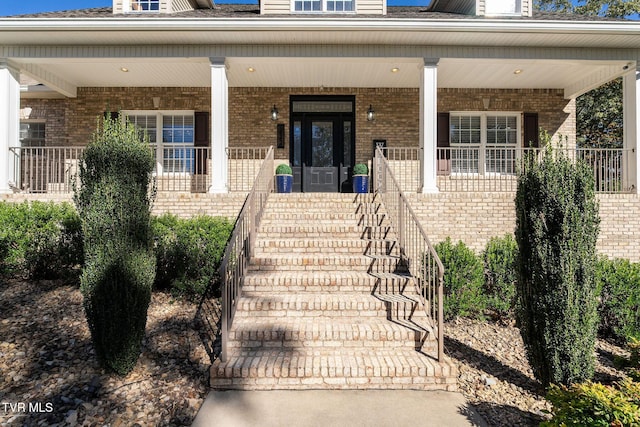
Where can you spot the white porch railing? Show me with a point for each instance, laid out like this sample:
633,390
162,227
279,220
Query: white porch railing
182,168
494,169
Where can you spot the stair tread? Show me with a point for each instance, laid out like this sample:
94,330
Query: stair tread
333,362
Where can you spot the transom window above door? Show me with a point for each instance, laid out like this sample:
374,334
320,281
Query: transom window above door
323,6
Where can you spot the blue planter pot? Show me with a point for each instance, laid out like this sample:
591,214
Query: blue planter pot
284,183
360,184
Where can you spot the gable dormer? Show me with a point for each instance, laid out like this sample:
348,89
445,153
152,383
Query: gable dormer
159,6
487,8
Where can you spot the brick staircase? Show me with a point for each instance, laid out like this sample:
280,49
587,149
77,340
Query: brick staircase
326,304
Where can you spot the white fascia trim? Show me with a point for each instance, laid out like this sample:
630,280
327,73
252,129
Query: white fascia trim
300,23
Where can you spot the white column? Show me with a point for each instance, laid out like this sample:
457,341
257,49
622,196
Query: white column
219,126
9,121
631,114
429,123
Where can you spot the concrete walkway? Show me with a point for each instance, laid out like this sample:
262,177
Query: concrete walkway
323,408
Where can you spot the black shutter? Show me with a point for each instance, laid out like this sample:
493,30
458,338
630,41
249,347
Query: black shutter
531,133
444,156
443,129
201,140
114,115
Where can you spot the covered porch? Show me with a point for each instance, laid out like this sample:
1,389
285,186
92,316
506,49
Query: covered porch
448,123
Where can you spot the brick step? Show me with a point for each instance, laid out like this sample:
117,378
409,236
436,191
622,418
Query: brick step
327,262
251,330
322,197
324,245
332,305
335,368
325,281
320,230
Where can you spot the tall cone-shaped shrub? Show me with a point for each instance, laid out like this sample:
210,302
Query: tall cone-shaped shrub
556,229
114,202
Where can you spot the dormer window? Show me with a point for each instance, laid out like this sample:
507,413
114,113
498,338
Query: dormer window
502,7
323,6
144,6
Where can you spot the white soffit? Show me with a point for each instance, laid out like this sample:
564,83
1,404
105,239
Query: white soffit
141,72
572,76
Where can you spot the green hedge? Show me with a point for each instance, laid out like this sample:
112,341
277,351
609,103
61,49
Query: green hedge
44,241
619,308
188,252
500,257
40,240
463,280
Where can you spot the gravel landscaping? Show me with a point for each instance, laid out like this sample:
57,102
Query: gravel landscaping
47,362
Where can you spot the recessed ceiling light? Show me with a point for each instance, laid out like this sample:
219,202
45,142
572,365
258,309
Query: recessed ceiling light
518,71
124,69
251,69
395,69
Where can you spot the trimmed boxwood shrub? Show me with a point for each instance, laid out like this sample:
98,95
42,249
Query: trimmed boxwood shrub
360,169
188,252
619,308
463,280
114,202
595,405
500,262
40,240
556,229
284,169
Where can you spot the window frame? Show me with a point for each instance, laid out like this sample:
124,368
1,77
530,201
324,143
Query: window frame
44,131
159,144
128,4
483,146
323,8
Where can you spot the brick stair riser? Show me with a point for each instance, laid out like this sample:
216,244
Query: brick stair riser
323,263
292,283
329,309
319,246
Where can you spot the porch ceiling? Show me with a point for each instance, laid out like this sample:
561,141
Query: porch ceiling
65,74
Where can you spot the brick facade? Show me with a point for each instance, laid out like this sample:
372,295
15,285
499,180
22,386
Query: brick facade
476,217
71,121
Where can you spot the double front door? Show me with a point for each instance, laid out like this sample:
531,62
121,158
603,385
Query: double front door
322,151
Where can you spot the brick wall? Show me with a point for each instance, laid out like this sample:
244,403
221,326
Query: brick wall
72,121
471,217
476,217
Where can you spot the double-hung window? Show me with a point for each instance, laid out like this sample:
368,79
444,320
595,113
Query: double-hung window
32,134
323,6
484,143
171,134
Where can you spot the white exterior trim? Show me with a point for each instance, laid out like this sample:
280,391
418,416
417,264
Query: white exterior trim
9,121
429,124
219,126
631,127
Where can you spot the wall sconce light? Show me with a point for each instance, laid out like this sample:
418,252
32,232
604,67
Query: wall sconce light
156,102
371,114
486,102
25,113
274,113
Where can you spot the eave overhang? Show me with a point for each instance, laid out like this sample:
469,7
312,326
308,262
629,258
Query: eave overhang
320,30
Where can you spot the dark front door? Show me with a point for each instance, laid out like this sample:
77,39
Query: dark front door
322,151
